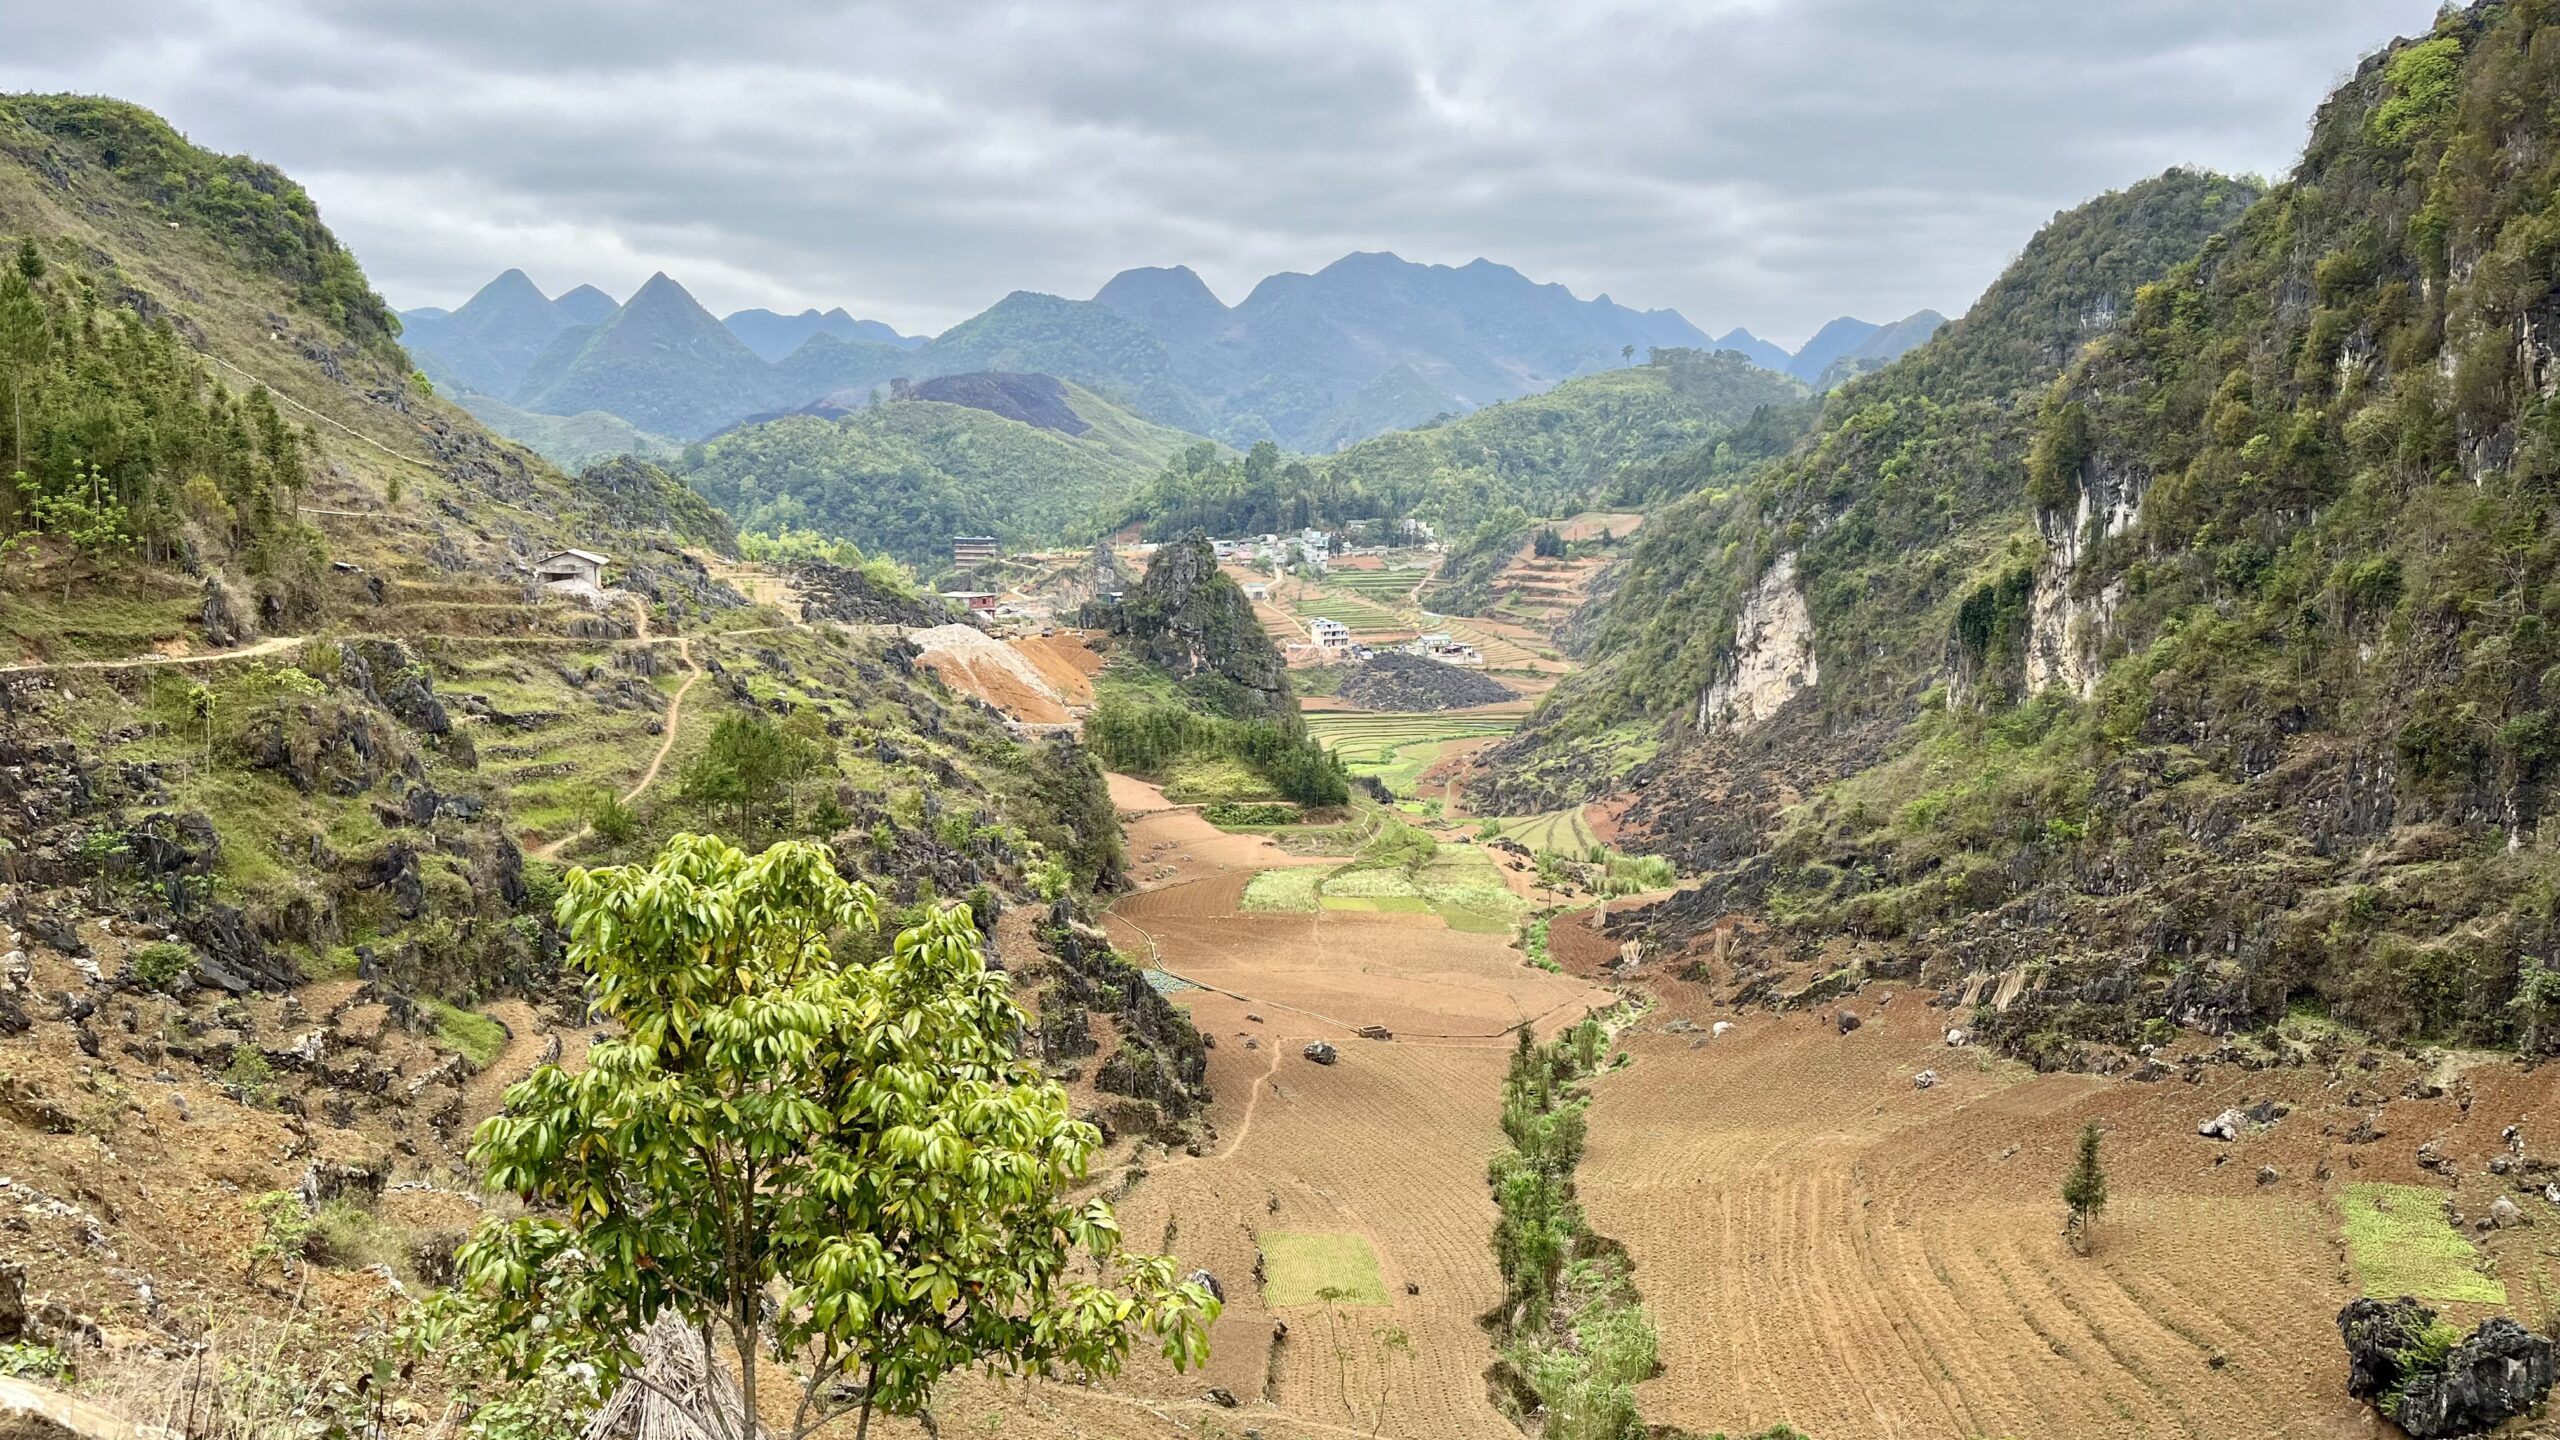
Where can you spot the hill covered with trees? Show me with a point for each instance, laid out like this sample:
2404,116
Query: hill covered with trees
2174,617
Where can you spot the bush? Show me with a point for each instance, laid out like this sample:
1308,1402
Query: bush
1236,814
162,965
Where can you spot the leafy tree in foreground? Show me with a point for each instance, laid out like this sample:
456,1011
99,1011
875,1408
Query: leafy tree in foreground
842,1163
2085,1189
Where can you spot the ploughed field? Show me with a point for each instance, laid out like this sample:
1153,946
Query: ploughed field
1822,1242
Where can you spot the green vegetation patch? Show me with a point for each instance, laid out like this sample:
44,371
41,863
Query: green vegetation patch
1319,1267
477,1036
1371,884
2401,1244
1283,891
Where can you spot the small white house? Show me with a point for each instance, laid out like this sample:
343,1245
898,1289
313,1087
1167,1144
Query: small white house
1329,633
1255,590
572,566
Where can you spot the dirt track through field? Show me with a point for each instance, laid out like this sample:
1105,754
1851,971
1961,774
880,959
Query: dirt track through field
1389,1144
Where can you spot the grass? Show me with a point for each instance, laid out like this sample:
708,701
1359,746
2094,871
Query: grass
1299,1266
2401,1244
1287,892
1208,779
1380,904
477,1036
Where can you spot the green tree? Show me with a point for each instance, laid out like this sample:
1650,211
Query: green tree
2085,1190
857,1142
745,768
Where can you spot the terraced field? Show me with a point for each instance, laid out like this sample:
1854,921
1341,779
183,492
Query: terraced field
1398,748
1390,587
1361,616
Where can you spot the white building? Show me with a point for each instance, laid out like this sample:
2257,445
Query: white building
572,567
1329,634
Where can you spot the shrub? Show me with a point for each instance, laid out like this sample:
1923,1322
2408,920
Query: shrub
162,965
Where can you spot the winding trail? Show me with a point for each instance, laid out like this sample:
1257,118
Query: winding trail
273,644
657,762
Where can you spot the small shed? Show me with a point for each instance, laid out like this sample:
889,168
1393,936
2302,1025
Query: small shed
572,567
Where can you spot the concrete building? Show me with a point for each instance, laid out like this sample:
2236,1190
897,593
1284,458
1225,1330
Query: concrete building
1329,634
967,550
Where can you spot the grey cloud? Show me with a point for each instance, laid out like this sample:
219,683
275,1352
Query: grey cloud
1768,163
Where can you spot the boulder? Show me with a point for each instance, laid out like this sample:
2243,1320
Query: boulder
2502,1371
2267,1175
1320,1052
1208,1282
1848,1021
2229,1125
1720,1028
2506,1214
1959,1037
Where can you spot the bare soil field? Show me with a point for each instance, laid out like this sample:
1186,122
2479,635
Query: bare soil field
1825,1243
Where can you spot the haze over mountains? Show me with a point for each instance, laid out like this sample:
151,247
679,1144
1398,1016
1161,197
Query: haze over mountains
1314,362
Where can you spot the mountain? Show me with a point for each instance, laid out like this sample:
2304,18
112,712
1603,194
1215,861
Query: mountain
2171,625
774,336
661,362
1828,344
1022,457
1368,344
489,343
1302,358
1884,345
1080,340
1760,352
587,305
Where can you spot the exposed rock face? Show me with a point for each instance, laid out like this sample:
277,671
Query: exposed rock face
1773,659
1400,682
1192,622
2500,1372
2064,628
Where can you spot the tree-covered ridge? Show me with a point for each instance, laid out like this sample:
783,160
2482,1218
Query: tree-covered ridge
119,444
1542,454
259,217
903,476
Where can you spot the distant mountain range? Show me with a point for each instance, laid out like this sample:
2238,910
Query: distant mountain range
1368,344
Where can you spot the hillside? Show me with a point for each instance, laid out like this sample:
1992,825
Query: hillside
1539,455
299,758
1023,457
2216,588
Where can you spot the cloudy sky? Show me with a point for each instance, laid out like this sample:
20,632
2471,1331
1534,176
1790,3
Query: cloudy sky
1768,163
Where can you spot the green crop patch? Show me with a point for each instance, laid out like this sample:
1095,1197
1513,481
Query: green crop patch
1285,892
2401,1244
1324,1267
